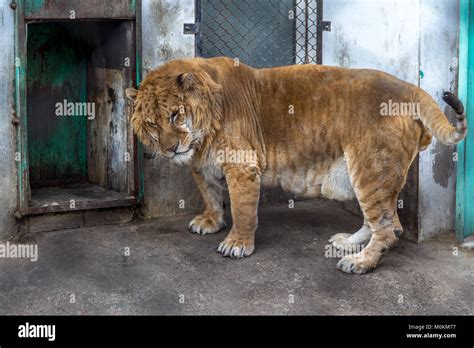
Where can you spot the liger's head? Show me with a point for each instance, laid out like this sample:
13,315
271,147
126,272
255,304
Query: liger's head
174,109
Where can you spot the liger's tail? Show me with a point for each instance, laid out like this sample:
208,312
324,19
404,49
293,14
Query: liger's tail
435,120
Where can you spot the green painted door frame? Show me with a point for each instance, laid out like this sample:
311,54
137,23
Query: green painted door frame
465,172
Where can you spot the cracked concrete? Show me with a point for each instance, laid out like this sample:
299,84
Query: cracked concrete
171,271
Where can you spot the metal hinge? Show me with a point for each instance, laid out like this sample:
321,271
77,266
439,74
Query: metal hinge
191,28
325,25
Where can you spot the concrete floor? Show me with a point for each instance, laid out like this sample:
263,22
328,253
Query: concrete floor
166,263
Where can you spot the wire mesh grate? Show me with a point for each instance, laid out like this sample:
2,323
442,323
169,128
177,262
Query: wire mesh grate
261,33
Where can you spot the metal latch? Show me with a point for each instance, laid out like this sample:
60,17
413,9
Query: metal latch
325,25
191,28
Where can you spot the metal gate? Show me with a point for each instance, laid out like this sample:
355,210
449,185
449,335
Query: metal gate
261,33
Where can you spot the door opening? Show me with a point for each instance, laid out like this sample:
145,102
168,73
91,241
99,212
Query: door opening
77,150
78,136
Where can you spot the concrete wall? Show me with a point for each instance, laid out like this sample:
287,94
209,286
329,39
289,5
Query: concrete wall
439,24
8,180
404,37
169,189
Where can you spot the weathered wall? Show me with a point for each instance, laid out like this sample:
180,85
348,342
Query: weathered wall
404,37
439,24
167,186
7,145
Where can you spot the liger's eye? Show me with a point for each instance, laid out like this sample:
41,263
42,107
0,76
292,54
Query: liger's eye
174,116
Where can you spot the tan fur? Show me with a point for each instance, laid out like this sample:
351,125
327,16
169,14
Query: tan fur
315,130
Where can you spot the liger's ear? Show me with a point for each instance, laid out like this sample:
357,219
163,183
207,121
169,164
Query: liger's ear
186,81
131,93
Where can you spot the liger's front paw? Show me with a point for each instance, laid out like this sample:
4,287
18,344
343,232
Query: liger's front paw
236,248
202,225
356,264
